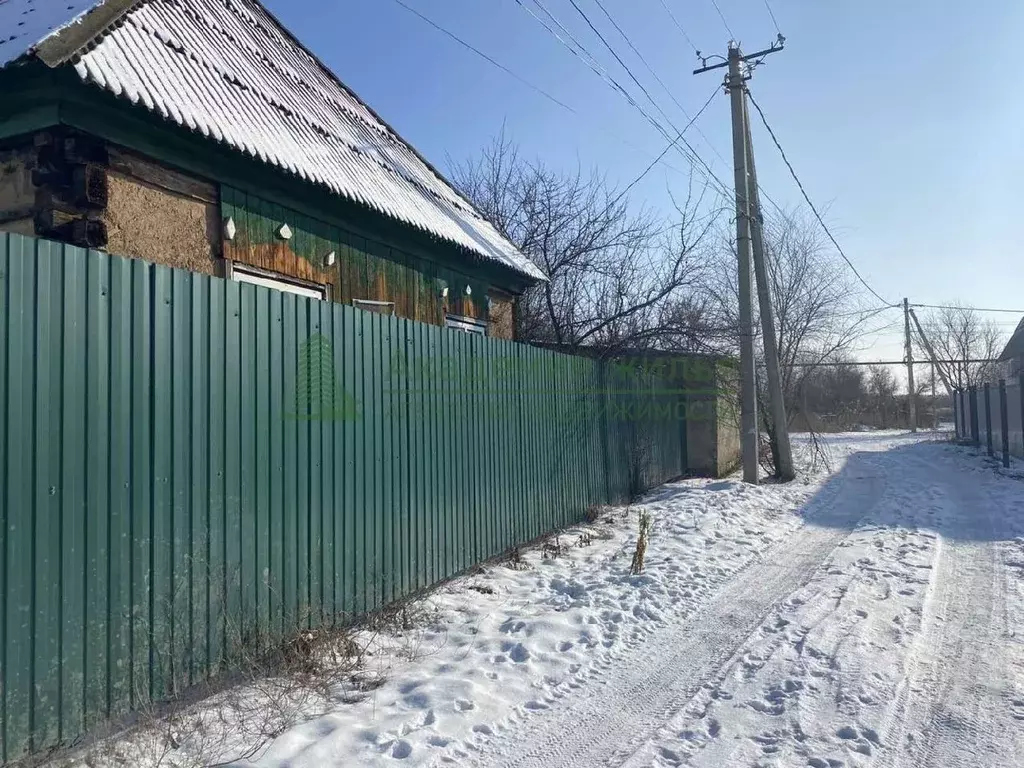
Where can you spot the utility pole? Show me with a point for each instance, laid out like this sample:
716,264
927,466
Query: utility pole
764,297
734,84
911,395
748,376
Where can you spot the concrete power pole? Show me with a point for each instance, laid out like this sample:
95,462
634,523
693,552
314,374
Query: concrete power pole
911,392
748,378
764,297
734,83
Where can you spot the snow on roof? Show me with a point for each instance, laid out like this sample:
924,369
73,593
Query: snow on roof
227,70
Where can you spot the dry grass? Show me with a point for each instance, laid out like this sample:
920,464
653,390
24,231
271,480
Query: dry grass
644,529
311,673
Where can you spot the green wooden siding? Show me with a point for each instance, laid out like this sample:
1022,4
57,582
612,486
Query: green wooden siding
189,464
365,269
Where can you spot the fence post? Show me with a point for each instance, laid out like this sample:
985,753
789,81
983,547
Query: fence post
972,402
988,418
1004,423
958,414
1020,391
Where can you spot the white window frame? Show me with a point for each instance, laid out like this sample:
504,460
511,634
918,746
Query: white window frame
370,305
465,324
253,276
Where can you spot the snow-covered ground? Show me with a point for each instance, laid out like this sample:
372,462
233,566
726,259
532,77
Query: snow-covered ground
870,615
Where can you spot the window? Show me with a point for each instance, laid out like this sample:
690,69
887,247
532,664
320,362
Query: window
465,324
271,280
380,307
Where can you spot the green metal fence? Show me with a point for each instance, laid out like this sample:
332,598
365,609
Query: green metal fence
189,464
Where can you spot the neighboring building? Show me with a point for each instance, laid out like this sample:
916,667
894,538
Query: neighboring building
706,387
1011,362
202,135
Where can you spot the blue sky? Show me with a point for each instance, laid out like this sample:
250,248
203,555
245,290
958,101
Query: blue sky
903,117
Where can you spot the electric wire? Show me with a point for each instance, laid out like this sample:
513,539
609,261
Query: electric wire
657,77
671,144
811,205
679,26
483,55
584,55
722,17
976,309
772,14
532,86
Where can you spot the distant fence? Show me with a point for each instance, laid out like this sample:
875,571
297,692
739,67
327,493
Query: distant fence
189,464
991,417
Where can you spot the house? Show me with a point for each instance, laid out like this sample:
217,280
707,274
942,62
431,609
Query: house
200,134
1011,361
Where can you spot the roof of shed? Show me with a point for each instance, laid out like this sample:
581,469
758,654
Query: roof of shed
1015,346
228,70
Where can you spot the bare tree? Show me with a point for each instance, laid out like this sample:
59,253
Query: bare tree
616,278
815,302
882,388
959,333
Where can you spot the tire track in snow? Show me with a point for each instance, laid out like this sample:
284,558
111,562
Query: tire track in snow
613,717
955,702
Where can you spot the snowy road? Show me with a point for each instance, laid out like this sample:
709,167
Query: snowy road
885,631
869,615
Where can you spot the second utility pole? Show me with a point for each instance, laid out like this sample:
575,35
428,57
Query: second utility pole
783,449
911,392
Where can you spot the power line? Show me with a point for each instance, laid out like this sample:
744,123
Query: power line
636,80
521,79
679,26
655,75
722,17
483,55
618,58
807,198
584,55
857,363
869,312
671,144
770,13
976,309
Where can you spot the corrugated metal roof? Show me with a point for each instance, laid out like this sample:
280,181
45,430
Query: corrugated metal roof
227,70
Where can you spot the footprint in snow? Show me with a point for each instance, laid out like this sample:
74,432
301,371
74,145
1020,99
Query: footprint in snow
401,749
462,705
669,756
518,653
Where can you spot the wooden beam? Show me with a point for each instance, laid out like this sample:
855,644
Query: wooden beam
63,45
